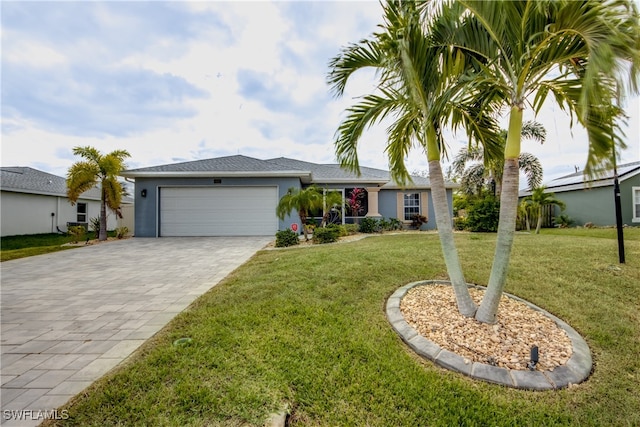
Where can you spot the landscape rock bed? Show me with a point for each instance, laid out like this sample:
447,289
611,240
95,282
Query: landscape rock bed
433,312
497,353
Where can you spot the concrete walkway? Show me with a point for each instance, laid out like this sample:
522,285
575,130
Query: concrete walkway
69,317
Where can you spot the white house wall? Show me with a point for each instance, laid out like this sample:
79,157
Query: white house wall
22,213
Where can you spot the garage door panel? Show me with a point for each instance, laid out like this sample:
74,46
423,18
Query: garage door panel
218,211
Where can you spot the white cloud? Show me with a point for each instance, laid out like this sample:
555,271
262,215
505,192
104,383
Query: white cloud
32,53
182,81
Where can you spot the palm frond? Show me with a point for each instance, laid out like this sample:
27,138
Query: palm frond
360,116
82,176
473,179
532,168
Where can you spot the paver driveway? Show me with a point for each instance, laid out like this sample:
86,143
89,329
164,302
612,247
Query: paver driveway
69,317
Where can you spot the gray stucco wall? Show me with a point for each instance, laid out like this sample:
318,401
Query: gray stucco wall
597,205
146,208
388,205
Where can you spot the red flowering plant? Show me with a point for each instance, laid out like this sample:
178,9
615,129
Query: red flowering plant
354,201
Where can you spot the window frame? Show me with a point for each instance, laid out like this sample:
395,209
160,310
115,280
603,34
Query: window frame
635,204
80,214
416,199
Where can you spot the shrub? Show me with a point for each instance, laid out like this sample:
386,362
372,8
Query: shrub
286,238
351,228
95,225
459,223
342,230
77,231
564,221
121,232
369,225
394,224
483,215
328,234
417,220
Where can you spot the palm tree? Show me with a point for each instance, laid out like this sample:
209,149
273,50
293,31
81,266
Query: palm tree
537,201
98,170
304,201
586,53
483,171
415,73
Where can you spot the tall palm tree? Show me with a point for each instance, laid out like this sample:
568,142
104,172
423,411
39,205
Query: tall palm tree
415,73
483,171
98,170
537,201
585,53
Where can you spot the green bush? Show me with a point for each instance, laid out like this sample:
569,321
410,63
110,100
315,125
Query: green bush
95,225
351,228
121,232
77,232
342,230
483,215
285,238
394,224
459,223
327,234
564,221
417,221
369,225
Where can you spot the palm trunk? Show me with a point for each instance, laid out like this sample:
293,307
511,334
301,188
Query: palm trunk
303,219
539,224
102,234
525,215
507,225
466,306
444,223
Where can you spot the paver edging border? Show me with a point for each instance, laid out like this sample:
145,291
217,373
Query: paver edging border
576,370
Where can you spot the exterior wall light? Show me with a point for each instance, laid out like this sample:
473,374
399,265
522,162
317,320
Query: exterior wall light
143,193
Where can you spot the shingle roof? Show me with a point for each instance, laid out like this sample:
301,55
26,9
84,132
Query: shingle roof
29,180
236,163
333,172
578,177
309,172
577,180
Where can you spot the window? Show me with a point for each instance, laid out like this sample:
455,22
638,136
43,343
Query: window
411,205
82,212
636,204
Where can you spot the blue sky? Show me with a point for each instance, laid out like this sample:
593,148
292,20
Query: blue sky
178,81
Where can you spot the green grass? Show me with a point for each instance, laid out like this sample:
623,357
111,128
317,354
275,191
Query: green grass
14,247
306,327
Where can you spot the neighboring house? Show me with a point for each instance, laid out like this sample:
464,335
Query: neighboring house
238,195
593,200
34,202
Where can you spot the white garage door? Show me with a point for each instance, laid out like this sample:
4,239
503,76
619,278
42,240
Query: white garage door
218,211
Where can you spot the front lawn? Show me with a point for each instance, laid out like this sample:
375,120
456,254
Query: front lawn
14,247
306,327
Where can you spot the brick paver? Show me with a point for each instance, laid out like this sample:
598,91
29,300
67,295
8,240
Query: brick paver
69,317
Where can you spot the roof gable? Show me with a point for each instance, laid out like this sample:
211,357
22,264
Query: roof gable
604,178
308,172
578,181
19,179
236,163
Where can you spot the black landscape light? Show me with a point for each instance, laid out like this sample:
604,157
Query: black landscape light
534,358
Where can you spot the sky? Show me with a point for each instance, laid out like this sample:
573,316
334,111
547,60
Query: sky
180,81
